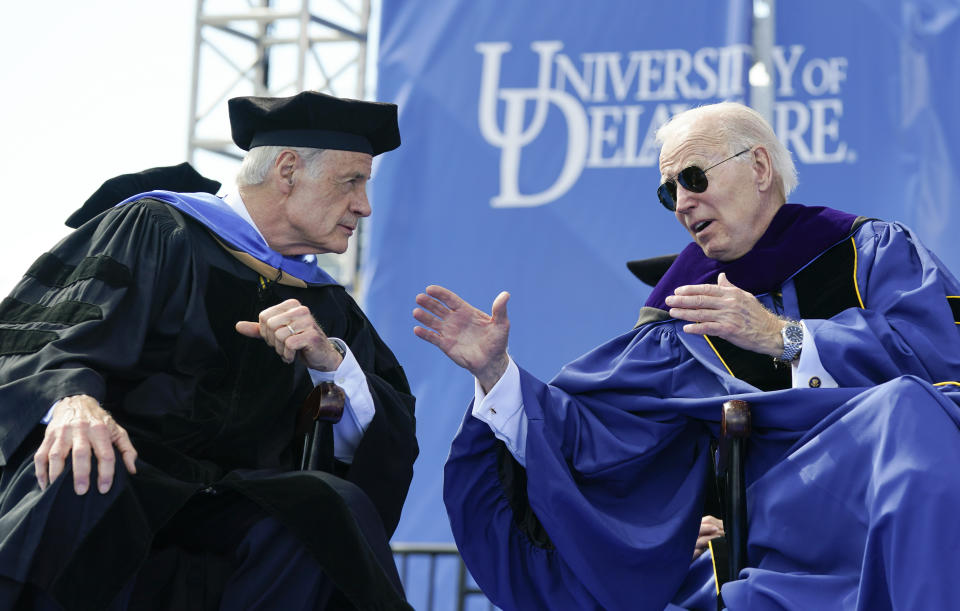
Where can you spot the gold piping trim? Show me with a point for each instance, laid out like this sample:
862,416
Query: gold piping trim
949,297
713,561
945,383
262,268
717,352
856,287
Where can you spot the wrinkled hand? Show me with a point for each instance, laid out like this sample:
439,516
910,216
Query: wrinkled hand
710,528
726,311
470,337
290,329
78,424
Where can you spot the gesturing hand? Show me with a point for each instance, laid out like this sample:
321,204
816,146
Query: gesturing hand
726,311
291,330
77,425
470,337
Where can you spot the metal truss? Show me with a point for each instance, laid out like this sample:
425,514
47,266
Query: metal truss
272,48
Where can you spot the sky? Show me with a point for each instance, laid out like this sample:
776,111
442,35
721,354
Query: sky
91,89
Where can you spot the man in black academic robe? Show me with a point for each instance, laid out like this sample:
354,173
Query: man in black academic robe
178,341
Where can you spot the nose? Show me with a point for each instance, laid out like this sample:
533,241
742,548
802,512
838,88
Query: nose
361,204
685,200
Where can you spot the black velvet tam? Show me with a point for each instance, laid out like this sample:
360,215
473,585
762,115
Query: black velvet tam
181,178
649,271
315,120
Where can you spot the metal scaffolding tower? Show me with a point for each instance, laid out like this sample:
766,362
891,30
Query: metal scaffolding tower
272,48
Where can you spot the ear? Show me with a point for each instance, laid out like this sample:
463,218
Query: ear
763,168
285,167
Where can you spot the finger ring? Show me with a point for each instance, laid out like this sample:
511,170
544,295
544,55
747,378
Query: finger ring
292,331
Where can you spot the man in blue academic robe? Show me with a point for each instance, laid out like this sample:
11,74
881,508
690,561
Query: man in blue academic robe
586,493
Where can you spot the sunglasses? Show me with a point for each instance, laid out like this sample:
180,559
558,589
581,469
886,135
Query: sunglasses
692,179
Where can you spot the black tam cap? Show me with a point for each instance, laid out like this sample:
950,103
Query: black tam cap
649,271
315,120
181,178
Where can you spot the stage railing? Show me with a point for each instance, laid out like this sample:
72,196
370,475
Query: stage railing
425,589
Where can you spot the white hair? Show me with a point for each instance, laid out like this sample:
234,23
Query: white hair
258,161
740,127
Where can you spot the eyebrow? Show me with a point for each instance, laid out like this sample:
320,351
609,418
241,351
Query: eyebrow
700,161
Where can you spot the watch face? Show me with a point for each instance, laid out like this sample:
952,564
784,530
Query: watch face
792,342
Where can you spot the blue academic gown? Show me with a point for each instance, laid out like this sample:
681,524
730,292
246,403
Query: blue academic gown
851,490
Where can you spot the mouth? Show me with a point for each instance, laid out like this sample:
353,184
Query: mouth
700,226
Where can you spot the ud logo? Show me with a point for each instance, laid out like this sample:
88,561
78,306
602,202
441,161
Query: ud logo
613,102
514,137
603,128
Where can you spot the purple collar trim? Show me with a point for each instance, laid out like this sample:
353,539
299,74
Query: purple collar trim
796,236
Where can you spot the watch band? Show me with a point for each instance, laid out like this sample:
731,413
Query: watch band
338,348
792,334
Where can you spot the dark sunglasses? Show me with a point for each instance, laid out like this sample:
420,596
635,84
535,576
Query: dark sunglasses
692,179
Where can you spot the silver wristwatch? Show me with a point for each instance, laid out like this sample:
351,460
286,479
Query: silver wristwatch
338,348
792,334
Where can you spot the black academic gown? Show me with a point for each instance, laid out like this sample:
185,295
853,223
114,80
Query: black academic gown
137,309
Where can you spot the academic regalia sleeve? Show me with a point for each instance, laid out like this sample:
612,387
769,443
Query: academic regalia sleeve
862,510
83,308
906,326
383,463
613,476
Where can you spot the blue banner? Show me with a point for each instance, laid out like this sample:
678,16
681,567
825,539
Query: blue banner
528,164
866,99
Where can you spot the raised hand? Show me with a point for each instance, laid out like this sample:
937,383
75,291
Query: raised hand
473,339
726,311
291,330
78,428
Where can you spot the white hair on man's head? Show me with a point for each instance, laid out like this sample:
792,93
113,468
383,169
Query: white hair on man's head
258,161
741,127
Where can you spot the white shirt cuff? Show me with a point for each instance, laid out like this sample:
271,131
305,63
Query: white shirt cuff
808,371
502,410
358,410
